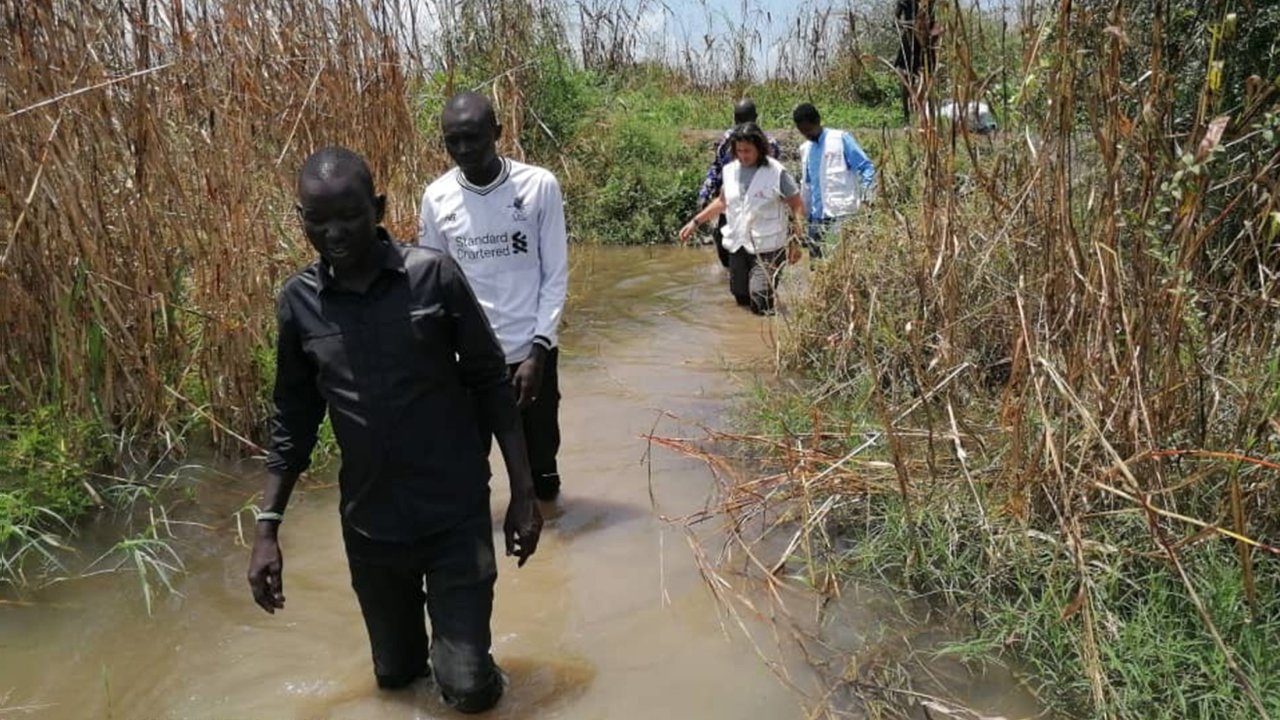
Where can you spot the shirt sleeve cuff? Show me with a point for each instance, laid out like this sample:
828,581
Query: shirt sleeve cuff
543,341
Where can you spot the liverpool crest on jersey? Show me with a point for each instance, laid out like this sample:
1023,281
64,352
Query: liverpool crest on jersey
518,210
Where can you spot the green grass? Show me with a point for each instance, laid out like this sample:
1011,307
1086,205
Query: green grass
653,99
27,535
45,457
153,559
1018,584
1157,658
51,477
642,164
632,151
44,461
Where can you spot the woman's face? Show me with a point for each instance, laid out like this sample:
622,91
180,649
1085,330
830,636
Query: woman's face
746,153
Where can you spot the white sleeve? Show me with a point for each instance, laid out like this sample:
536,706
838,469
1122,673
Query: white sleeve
803,175
428,234
553,252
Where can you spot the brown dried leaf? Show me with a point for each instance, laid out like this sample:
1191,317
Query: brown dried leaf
1074,606
1118,33
1212,136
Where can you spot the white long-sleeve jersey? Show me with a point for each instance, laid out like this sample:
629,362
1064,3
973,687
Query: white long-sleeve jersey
510,239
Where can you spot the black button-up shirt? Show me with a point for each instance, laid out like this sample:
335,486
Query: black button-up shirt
402,369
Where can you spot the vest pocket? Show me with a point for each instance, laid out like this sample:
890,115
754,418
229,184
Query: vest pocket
771,210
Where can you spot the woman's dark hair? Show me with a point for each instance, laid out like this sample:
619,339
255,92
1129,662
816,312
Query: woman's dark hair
751,132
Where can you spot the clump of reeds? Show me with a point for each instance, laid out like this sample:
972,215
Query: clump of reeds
146,201
147,192
1067,335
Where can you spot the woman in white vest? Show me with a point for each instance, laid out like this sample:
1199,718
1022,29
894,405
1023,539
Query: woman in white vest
760,201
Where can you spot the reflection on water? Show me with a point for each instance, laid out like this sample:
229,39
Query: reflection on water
537,687
879,627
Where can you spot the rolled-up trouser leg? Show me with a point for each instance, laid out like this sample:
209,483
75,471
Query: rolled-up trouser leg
460,577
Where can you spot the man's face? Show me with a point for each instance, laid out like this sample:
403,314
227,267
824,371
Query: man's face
339,218
470,138
810,130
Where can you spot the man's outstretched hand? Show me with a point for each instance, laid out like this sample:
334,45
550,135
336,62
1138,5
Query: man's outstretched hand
522,528
266,572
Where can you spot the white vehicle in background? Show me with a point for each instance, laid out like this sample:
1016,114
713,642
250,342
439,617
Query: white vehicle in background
977,116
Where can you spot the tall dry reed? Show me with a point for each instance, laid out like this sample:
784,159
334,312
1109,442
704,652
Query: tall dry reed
145,191
1072,327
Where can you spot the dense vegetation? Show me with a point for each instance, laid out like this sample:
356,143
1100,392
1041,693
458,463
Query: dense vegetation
148,198
1038,383
1041,377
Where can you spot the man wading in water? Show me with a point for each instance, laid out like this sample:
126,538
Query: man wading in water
503,221
391,342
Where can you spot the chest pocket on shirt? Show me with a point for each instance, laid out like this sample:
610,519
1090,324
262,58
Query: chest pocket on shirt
431,327
434,345
329,353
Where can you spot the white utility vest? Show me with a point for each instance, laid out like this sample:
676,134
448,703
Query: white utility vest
840,187
757,221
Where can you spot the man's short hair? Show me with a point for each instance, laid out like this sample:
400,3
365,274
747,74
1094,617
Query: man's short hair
744,111
470,99
334,161
806,114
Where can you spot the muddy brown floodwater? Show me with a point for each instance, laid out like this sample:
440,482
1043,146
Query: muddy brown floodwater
609,620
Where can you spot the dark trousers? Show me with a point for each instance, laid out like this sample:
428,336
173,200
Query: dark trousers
717,235
459,570
820,235
755,277
541,422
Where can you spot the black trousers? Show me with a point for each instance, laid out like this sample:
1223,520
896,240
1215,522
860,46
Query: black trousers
717,236
755,277
822,234
458,570
541,421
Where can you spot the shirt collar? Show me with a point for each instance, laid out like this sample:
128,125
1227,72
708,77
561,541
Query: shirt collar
392,260
502,176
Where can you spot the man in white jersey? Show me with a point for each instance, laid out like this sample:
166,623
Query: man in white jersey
503,221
